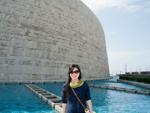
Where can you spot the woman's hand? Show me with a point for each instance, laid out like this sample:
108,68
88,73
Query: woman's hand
64,108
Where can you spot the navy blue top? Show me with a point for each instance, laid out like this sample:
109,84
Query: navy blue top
73,105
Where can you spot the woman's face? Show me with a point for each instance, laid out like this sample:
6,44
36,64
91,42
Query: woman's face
74,74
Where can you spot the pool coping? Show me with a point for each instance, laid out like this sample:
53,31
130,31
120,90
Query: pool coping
44,81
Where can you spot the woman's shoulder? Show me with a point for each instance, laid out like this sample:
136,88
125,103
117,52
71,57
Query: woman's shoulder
85,84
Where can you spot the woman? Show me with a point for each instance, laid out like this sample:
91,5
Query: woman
76,93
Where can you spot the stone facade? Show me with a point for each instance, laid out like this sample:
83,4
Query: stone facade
40,39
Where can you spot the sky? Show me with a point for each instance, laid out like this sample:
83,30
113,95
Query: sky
126,24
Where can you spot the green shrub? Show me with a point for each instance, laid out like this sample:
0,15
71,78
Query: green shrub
138,78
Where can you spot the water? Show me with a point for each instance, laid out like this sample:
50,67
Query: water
109,101
16,98
53,87
123,85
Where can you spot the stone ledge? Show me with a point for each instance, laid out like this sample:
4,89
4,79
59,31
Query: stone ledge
143,85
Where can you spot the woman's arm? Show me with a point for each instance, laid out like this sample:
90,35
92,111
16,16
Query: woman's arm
64,108
89,103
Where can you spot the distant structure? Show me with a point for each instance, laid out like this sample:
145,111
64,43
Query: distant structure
138,73
40,39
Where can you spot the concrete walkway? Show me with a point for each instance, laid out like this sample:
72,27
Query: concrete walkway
53,100
121,89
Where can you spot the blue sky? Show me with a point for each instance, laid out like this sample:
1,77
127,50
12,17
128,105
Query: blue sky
126,24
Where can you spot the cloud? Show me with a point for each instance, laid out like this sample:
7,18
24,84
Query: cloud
98,5
147,11
147,7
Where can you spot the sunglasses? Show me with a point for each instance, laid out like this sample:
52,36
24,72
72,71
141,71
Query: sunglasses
76,72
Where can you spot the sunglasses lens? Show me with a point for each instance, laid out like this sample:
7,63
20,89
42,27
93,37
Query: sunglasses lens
76,72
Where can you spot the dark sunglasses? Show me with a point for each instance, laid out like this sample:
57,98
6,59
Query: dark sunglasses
76,72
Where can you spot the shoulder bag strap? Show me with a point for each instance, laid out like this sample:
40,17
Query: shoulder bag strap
78,98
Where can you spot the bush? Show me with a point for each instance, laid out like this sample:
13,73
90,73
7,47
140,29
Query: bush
137,78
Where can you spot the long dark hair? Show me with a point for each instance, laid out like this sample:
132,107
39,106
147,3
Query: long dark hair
66,85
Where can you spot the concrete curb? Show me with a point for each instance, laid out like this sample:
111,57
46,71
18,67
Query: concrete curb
121,89
139,84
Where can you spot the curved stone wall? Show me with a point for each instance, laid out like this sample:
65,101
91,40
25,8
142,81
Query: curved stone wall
40,39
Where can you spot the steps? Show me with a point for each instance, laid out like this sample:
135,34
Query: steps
53,100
